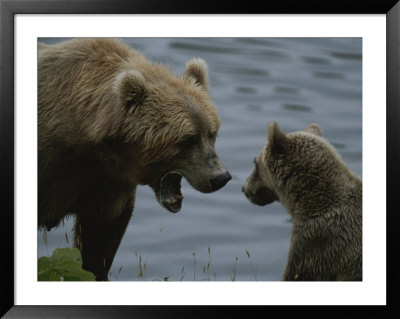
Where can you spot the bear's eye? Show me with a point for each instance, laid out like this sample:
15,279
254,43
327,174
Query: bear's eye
188,141
212,135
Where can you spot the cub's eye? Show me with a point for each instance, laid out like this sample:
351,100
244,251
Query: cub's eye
188,141
212,135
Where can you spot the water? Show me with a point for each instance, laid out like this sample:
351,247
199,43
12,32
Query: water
294,81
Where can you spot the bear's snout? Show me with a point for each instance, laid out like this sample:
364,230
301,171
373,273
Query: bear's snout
219,181
258,195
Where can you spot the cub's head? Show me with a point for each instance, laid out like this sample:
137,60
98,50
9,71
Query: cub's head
292,166
173,124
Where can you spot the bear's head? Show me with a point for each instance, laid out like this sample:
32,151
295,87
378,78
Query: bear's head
172,125
293,167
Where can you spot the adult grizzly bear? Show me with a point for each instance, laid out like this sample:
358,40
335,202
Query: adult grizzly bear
324,199
109,120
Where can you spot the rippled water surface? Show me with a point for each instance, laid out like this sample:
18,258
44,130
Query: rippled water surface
221,236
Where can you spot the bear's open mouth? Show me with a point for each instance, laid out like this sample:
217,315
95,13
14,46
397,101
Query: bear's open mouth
170,191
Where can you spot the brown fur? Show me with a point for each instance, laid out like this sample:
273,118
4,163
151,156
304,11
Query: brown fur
324,199
109,119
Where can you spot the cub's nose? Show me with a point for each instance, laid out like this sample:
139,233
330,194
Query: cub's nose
219,181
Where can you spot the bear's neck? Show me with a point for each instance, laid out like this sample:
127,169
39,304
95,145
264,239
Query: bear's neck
334,196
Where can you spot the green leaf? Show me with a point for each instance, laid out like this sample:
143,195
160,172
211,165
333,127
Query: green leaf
64,265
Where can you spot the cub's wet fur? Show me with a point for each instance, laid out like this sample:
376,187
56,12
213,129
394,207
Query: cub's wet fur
306,175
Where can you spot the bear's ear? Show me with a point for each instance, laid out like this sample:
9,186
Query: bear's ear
277,140
197,69
130,87
314,129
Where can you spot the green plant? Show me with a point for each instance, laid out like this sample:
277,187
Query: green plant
210,264
141,267
252,268
65,264
233,277
194,266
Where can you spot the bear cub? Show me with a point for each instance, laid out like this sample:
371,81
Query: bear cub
306,175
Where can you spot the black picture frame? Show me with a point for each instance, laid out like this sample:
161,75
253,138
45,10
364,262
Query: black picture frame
8,10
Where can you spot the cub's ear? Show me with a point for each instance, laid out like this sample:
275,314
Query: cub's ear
130,87
277,140
314,129
197,69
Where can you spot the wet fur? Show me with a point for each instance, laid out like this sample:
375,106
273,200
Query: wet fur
304,172
109,120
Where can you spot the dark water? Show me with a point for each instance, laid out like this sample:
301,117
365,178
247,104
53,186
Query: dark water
294,81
